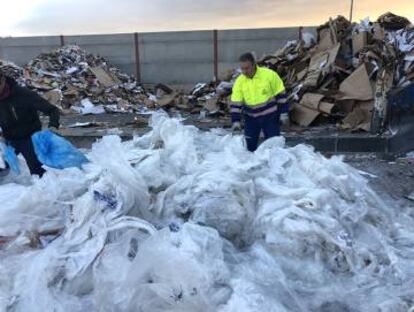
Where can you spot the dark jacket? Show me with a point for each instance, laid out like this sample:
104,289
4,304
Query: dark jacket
19,117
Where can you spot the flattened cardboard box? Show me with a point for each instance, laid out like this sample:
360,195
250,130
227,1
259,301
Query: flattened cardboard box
357,86
303,115
359,41
359,118
105,78
310,107
320,64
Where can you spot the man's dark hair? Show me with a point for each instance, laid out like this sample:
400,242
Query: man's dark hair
247,57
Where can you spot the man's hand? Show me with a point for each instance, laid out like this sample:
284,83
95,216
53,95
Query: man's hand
236,127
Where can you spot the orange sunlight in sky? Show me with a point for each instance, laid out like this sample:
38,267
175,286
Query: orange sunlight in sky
55,17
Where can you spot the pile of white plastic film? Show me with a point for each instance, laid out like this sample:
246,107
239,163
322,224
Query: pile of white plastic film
184,220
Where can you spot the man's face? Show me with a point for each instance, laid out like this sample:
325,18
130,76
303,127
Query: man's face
248,69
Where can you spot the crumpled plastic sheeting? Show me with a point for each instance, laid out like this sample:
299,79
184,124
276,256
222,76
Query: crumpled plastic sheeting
54,151
8,155
184,220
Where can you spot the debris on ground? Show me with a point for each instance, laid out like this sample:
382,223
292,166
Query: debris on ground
338,77
185,220
77,81
89,124
333,78
343,68
12,70
69,75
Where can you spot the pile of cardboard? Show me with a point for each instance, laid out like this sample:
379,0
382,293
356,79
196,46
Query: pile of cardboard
391,22
404,41
334,77
71,78
75,80
213,99
208,100
12,70
170,100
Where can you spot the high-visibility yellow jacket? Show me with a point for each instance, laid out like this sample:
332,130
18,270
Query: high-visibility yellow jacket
257,96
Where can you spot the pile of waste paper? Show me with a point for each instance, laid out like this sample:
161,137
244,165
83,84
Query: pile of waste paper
184,220
334,77
214,98
12,70
75,80
71,78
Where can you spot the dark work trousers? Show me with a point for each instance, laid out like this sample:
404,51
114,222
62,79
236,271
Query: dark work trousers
25,147
253,126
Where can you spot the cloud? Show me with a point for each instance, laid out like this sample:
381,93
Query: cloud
12,12
110,16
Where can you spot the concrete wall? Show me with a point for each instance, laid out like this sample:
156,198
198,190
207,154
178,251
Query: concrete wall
177,57
168,57
22,50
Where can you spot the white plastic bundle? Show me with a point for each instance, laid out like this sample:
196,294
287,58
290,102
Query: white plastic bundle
184,220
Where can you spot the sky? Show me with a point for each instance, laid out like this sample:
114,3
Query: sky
68,17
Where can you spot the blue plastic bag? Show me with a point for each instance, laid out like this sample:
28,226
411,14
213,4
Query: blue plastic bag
54,151
10,158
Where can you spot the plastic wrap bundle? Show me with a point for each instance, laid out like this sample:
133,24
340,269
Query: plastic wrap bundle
184,220
56,152
8,155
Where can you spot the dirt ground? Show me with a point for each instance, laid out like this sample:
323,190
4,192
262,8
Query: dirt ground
390,179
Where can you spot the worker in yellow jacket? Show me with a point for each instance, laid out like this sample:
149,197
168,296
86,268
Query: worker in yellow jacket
259,96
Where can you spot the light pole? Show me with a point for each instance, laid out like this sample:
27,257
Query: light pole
352,11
